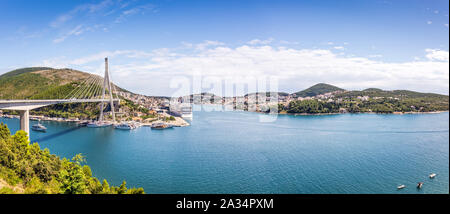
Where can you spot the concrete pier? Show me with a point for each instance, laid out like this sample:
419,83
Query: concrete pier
25,121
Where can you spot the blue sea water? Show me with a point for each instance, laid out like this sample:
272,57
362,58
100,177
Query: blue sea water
234,152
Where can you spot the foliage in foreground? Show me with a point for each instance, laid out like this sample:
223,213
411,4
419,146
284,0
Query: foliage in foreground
31,170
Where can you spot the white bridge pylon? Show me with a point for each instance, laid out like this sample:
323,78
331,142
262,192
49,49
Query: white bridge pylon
85,93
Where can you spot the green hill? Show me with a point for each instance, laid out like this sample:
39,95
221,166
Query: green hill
35,83
41,83
317,89
23,70
371,100
401,94
48,83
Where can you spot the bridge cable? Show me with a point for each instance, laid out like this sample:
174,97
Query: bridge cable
113,86
95,88
81,93
89,90
98,88
92,89
81,88
85,92
87,87
68,96
75,90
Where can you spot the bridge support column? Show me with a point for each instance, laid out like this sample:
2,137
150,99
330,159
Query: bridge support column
25,121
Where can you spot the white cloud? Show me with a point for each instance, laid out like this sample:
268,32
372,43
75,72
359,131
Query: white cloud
339,47
78,30
95,16
136,10
151,72
260,42
446,25
284,42
208,43
84,8
436,54
429,22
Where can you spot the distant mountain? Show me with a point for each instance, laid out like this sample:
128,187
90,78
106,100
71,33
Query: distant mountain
40,83
317,89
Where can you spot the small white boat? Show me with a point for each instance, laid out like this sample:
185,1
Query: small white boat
98,124
432,175
39,127
401,186
125,126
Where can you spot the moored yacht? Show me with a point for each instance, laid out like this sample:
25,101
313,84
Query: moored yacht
401,186
39,127
126,126
432,175
98,124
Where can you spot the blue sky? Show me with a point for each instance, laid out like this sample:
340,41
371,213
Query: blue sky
152,38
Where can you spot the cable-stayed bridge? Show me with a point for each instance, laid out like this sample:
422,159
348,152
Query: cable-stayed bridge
93,89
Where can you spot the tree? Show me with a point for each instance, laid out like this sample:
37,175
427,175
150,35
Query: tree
122,189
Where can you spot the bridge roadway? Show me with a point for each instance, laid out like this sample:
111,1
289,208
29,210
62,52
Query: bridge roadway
24,107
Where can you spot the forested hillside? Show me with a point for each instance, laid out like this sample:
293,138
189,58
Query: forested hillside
26,168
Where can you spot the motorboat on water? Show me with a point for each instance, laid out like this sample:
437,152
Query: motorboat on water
39,127
419,185
401,186
126,126
432,175
161,126
82,123
98,124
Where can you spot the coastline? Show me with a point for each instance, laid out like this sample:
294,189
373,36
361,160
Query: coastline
179,122
319,114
